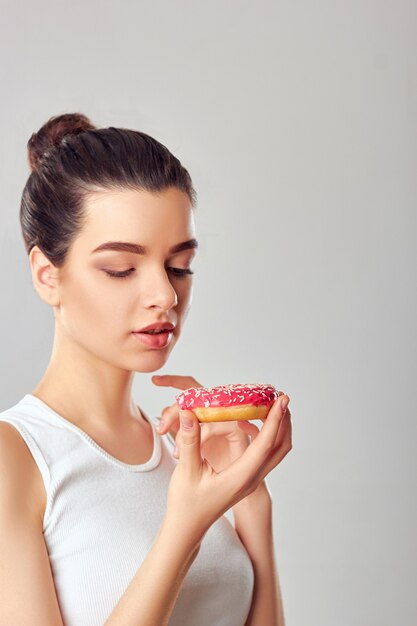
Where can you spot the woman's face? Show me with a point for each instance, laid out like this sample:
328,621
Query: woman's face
99,312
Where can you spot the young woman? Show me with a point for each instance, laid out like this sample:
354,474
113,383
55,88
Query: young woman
101,523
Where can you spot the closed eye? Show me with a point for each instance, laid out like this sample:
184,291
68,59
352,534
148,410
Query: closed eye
176,271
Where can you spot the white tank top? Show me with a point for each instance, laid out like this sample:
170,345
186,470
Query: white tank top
102,517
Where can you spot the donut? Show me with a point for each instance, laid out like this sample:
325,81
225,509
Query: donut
228,402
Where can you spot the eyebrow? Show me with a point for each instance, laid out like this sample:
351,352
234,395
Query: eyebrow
137,248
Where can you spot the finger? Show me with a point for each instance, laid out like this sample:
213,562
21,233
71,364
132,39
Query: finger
205,434
285,428
190,459
169,420
283,447
258,453
284,431
176,450
248,427
280,393
172,380
286,412
284,400
265,438
213,429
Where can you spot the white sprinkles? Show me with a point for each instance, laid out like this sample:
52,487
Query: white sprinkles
227,395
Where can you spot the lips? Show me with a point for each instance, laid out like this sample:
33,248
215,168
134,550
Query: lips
156,326
154,341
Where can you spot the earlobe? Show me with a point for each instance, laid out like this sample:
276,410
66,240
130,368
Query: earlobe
44,277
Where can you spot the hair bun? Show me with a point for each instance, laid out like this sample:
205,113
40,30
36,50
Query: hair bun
52,132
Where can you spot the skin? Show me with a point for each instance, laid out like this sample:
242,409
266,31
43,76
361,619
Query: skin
95,356
89,377
197,494
221,444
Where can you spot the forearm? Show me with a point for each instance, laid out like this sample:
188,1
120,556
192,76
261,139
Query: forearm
151,595
253,524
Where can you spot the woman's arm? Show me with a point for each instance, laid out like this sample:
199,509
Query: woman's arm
197,496
222,444
151,595
253,524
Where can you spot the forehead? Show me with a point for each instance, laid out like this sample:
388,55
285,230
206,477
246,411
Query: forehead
152,219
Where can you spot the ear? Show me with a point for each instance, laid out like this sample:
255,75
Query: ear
44,276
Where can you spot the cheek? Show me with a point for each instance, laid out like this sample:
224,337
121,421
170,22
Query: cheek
89,306
185,295
93,307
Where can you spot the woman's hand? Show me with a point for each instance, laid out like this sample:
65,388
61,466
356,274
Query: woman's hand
198,495
170,417
221,442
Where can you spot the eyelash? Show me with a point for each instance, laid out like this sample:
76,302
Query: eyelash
178,273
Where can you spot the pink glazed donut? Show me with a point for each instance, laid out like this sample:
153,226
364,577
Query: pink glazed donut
228,402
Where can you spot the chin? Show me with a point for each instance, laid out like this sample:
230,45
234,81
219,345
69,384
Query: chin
150,367
153,360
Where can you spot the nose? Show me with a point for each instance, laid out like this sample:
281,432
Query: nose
158,290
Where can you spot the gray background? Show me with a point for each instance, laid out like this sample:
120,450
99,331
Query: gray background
298,124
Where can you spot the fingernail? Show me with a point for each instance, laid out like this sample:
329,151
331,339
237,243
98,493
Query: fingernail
284,402
186,421
175,451
160,425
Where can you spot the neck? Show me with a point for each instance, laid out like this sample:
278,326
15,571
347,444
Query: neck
88,391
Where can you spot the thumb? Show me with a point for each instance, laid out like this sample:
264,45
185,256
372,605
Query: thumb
190,431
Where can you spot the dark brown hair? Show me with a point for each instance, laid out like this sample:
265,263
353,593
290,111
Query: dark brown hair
70,158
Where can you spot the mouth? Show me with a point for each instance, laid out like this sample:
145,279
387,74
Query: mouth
154,339
152,332
158,327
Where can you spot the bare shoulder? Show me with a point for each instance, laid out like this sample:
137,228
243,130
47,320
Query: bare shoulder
27,593
23,475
